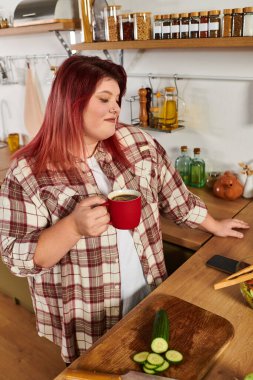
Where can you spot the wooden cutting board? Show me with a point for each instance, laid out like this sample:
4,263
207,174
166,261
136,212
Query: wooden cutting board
199,334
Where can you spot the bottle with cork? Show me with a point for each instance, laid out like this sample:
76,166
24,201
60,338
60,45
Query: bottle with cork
197,170
182,164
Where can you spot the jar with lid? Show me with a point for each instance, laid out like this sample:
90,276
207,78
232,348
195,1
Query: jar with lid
237,22
111,22
203,24
166,27
214,23
194,25
227,23
184,25
175,26
157,27
126,27
168,118
142,26
248,21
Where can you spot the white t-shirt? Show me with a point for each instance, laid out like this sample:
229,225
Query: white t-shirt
133,283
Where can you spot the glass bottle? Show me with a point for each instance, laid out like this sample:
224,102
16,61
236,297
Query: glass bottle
248,21
203,24
227,23
184,25
214,23
111,22
157,27
194,25
153,117
197,170
237,22
175,26
126,27
166,27
169,117
182,165
142,26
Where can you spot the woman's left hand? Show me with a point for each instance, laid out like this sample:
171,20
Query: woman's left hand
225,227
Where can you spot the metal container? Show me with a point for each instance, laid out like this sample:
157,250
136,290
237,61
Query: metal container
32,12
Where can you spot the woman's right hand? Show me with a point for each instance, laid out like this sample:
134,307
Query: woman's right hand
90,217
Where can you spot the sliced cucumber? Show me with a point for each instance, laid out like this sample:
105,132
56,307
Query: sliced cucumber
162,367
160,332
149,371
174,356
150,366
155,359
140,357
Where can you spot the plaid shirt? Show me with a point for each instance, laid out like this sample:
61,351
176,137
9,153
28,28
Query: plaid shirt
78,299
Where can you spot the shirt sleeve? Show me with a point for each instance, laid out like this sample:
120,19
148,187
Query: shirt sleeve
176,202
22,218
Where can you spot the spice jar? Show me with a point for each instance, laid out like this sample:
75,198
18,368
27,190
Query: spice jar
194,25
203,24
142,26
166,32
126,27
237,22
175,25
214,24
227,23
248,21
111,22
157,27
184,25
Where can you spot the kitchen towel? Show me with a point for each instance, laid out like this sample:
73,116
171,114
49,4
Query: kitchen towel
33,110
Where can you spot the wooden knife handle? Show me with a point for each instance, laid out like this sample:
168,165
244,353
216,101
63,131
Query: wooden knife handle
76,374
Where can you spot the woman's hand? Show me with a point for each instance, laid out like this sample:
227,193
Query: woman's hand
225,227
89,217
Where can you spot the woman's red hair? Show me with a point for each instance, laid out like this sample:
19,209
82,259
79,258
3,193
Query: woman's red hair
61,136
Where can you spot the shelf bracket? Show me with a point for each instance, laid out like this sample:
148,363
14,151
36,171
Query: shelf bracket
109,57
64,43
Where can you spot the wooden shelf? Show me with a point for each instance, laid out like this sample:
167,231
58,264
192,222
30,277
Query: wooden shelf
61,25
169,44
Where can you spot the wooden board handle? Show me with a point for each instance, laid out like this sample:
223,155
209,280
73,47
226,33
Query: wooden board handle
77,374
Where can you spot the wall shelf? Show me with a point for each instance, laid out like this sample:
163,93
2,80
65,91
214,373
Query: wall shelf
225,42
61,25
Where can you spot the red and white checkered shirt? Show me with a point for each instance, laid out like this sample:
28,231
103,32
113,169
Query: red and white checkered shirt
78,299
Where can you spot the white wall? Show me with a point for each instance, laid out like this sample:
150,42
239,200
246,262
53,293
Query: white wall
218,114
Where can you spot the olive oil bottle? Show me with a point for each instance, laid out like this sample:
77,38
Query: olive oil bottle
197,170
168,117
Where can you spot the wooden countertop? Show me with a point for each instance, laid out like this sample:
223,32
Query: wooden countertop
236,360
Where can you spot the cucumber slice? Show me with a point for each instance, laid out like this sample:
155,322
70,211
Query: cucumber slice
174,356
249,376
140,357
150,366
160,332
149,371
155,359
162,367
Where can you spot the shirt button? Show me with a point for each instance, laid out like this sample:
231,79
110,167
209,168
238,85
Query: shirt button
116,261
116,286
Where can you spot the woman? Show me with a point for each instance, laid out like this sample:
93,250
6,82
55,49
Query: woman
82,272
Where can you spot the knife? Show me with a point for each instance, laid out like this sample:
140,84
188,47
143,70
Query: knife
76,374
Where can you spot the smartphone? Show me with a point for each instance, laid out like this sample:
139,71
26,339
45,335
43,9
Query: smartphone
224,264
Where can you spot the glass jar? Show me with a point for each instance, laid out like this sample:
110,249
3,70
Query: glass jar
111,22
203,24
166,27
168,117
175,26
248,21
194,25
157,27
184,25
126,27
214,24
237,22
142,26
227,23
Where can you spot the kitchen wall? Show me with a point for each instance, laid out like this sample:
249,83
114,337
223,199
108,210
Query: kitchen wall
218,114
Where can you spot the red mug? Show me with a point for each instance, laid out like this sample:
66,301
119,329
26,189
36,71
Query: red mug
124,207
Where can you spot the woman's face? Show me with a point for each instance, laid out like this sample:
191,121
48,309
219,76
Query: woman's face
102,111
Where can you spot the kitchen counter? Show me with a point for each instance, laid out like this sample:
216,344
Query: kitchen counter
193,282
